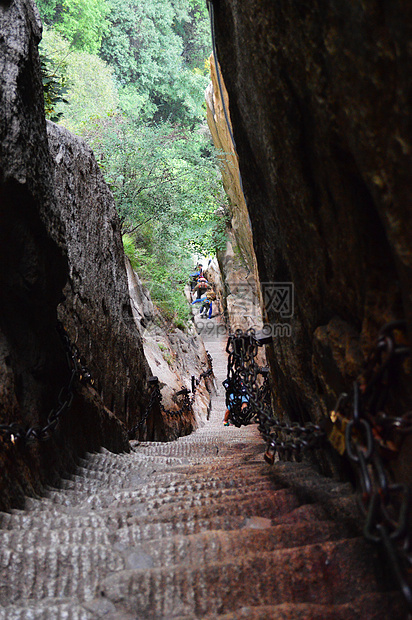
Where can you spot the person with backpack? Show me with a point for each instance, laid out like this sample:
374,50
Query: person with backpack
201,287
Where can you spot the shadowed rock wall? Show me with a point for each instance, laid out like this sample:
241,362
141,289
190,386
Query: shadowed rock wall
33,271
97,311
320,104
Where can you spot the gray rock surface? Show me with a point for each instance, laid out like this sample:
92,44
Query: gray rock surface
32,266
240,297
96,311
174,357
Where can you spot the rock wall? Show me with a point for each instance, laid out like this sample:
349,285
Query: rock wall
33,271
61,257
97,311
174,357
320,103
241,299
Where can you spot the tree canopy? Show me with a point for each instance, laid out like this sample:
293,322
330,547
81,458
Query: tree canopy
129,77
81,22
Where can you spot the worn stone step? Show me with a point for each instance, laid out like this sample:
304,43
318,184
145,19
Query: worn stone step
37,573
255,536
78,489
178,485
340,509
371,606
51,609
147,465
264,504
35,569
19,540
328,574
53,519
201,504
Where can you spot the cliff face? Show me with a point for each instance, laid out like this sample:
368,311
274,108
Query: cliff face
174,357
33,271
237,261
96,311
61,257
320,104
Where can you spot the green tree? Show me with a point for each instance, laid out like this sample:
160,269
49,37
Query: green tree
81,22
146,45
49,10
54,87
194,29
168,191
90,90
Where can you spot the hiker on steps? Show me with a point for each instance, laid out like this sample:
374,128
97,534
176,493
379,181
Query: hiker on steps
194,276
234,401
201,287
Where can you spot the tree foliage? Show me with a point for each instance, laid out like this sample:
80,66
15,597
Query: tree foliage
135,73
168,192
81,22
150,44
89,88
54,88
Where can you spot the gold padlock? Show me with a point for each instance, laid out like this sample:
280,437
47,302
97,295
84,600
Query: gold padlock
337,439
333,416
337,434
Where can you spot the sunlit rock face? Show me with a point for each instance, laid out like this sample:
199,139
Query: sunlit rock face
240,295
33,271
320,104
174,357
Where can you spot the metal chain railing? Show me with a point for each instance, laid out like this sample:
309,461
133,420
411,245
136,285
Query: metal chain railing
156,398
358,426
243,386
15,433
371,439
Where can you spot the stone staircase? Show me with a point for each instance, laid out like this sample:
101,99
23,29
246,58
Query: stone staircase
197,528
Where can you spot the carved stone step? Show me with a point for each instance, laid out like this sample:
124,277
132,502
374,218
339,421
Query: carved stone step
328,573
196,528
256,535
368,607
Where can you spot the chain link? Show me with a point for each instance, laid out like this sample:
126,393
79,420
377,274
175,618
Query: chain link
16,434
371,438
246,381
156,397
367,434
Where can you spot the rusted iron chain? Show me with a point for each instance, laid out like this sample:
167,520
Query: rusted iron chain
360,428
156,397
246,381
16,434
371,438
203,375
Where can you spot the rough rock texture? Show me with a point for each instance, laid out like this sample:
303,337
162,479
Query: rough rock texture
97,311
241,298
320,104
239,293
173,357
33,270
